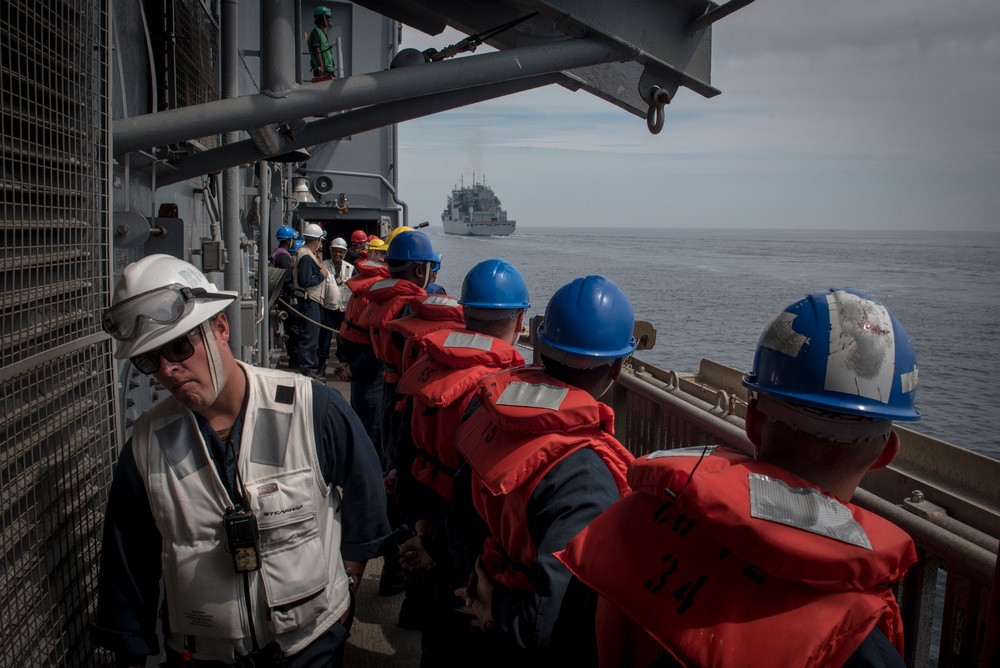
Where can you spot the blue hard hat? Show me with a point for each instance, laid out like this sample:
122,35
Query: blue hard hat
322,11
298,243
840,351
495,284
411,247
589,317
286,232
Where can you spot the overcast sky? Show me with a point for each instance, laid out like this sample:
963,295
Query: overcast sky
838,113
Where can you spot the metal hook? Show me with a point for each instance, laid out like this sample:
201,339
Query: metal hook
655,114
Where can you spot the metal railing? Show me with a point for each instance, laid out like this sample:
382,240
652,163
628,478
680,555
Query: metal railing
658,410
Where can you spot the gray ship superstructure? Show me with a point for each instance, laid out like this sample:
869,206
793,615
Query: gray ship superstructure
475,211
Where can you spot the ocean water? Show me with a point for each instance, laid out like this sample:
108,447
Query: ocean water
709,293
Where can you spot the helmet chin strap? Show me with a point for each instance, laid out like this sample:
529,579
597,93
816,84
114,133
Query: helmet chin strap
214,359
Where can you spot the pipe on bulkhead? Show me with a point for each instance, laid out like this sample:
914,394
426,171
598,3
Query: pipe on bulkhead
278,56
263,250
349,123
297,30
277,67
319,99
394,128
264,213
277,48
231,229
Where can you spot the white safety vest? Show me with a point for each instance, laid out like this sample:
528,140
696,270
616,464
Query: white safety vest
302,587
314,293
336,293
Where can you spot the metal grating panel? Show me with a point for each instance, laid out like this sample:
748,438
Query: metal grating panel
55,468
57,435
53,177
197,54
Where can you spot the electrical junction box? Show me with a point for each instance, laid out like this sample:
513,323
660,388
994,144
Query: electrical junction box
213,255
248,322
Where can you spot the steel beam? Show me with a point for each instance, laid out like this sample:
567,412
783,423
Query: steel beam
349,123
319,99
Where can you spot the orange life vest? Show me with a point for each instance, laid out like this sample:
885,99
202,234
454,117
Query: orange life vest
369,268
350,328
441,382
387,297
726,574
528,423
430,314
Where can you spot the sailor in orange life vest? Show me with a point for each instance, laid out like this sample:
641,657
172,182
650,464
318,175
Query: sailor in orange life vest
409,257
543,462
361,367
722,559
438,386
359,242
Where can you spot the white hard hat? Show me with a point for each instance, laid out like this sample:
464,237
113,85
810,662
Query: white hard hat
314,231
338,243
158,299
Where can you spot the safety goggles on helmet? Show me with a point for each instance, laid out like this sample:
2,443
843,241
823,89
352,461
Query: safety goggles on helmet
161,306
177,350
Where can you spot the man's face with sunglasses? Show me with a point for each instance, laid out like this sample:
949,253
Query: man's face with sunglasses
181,367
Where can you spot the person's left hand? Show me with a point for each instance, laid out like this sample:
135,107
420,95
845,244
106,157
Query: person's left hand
478,597
412,555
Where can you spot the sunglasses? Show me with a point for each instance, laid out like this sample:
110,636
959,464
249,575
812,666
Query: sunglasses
177,350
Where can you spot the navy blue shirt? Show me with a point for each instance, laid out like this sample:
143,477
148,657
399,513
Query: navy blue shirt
555,620
130,573
307,272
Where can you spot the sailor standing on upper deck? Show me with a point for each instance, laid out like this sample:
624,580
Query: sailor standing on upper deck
718,559
320,49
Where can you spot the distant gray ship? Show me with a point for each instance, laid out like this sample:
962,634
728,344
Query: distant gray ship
475,211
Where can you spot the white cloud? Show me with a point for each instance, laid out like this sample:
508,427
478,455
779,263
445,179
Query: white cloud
844,113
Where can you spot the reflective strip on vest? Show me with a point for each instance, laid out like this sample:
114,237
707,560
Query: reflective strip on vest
693,451
533,395
270,436
177,437
383,283
804,508
441,300
474,341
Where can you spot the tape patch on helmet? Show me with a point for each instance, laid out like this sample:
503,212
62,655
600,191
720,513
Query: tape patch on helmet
533,395
862,355
908,380
804,508
193,277
781,337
